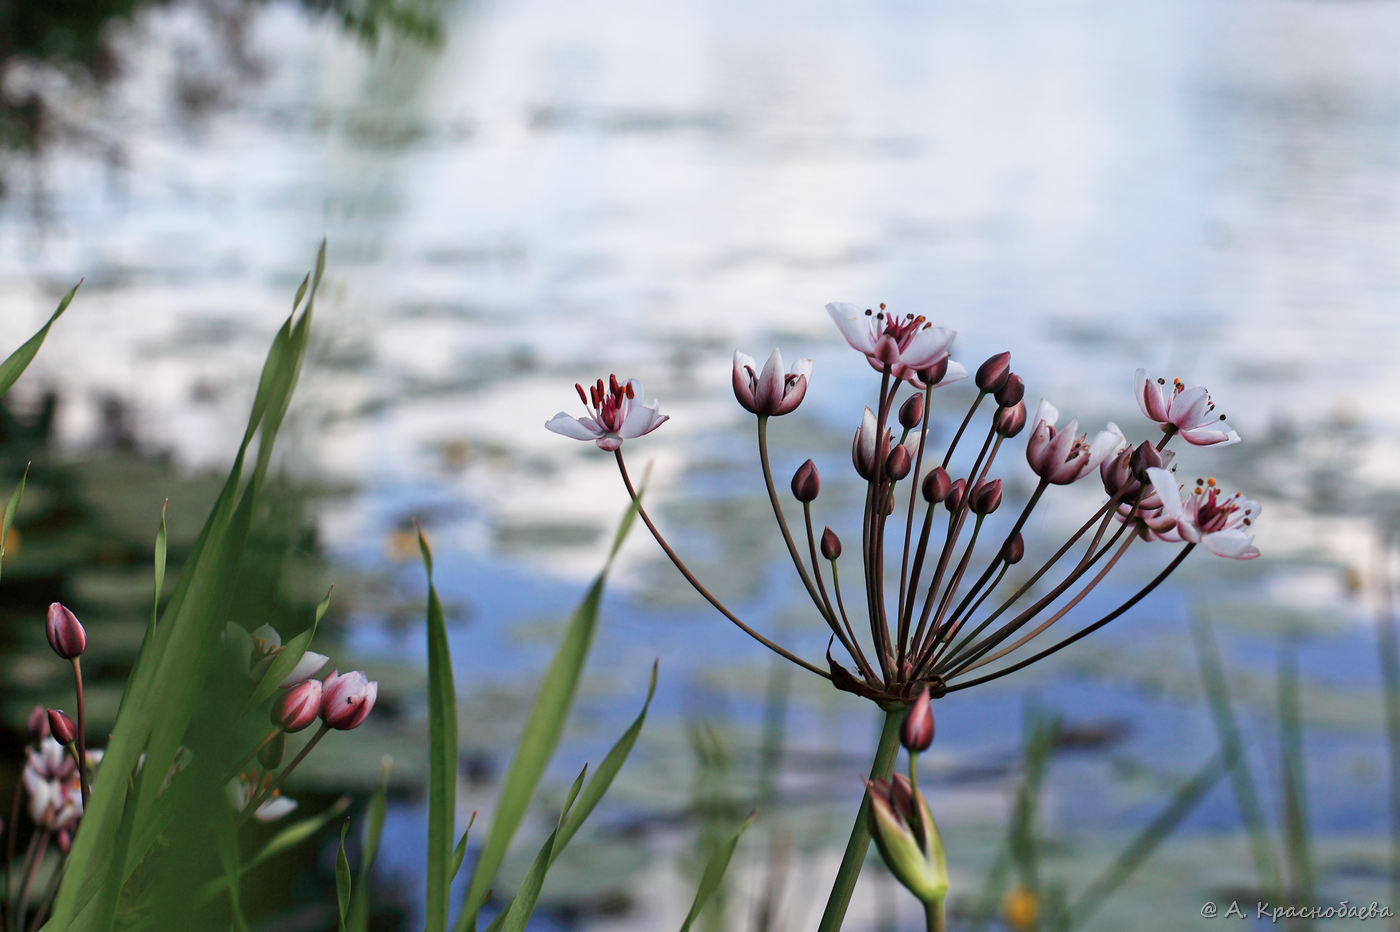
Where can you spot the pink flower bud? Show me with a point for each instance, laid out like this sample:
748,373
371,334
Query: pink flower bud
1014,551
898,463
916,734
806,484
831,544
270,754
299,706
911,413
62,727
38,724
1009,421
346,699
936,485
985,497
955,495
1012,392
65,841
935,372
66,635
993,373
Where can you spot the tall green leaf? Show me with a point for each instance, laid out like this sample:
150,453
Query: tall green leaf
1295,810
541,734
713,874
11,508
13,367
442,755
518,911
342,877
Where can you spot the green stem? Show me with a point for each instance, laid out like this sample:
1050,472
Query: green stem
854,859
933,917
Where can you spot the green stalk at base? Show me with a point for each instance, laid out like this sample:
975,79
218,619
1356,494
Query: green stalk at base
859,844
933,917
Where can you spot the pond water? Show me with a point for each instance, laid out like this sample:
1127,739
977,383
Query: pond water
1208,190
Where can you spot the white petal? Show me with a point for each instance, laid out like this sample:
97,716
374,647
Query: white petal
1107,443
744,361
562,423
1046,412
854,325
1188,407
927,346
1209,436
866,434
802,367
274,809
769,390
1234,544
956,373
1167,489
309,663
640,419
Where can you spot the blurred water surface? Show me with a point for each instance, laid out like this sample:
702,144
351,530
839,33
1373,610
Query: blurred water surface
1208,190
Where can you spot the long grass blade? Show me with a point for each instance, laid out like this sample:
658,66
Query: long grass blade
358,919
541,734
713,874
459,853
342,878
15,364
1222,710
11,509
518,911
1295,811
1388,648
442,755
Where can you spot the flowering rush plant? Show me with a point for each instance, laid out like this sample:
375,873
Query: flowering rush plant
937,616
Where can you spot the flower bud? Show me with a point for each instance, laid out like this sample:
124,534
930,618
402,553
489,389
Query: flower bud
299,706
1015,550
1012,392
898,463
869,448
935,372
62,727
936,484
806,483
1144,457
831,544
916,733
911,413
985,497
908,840
1009,421
38,724
993,373
346,699
955,495
65,841
66,634
270,754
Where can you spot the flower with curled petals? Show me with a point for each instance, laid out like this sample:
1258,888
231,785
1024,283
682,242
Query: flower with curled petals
1064,456
910,347
1204,518
1189,410
771,392
617,414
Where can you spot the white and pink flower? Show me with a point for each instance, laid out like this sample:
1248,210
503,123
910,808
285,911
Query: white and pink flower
1064,456
244,788
1205,518
910,346
772,391
1189,410
616,414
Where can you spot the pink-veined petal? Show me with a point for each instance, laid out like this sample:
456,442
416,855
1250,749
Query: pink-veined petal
1106,443
1188,407
743,382
1233,544
1167,489
854,325
1210,436
769,390
927,345
572,427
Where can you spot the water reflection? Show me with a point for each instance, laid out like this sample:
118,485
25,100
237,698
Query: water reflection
1205,190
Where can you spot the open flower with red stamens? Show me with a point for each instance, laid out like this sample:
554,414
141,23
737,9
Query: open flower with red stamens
1189,410
617,414
1205,518
1063,456
771,392
908,345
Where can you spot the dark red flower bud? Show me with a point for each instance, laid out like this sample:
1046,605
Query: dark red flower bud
1009,421
831,544
936,484
66,635
806,483
898,463
38,724
916,733
1144,457
1014,551
62,727
911,413
1012,392
985,497
955,495
993,373
270,754
935,372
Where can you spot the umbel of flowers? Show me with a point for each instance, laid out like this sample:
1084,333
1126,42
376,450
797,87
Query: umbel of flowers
936,614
